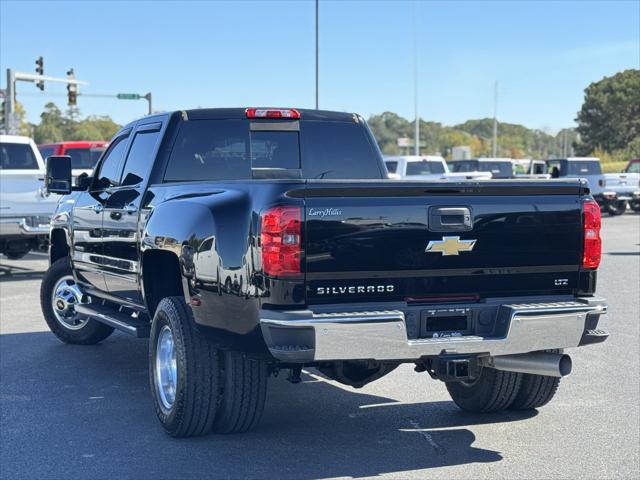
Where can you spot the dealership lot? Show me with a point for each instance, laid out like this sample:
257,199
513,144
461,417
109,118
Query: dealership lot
78,412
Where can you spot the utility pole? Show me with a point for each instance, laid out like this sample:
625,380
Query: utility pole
495,120
9,101
317,51
416,149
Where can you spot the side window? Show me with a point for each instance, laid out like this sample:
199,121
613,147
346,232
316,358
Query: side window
109,171
392,167
141,157
206,245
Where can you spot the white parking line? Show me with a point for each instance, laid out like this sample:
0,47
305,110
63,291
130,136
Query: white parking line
439,450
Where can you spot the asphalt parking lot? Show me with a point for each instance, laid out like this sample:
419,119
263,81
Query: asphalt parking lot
85,412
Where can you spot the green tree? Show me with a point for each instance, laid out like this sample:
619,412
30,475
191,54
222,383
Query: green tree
84,130
610,115
103,124
51,127
387,128
56,127
24,127
515,141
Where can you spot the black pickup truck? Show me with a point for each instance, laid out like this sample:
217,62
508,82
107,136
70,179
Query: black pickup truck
248,241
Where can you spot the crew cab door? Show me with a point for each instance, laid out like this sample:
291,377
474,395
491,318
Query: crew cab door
88,212
122,212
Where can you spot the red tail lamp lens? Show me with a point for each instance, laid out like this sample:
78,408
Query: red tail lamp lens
280,240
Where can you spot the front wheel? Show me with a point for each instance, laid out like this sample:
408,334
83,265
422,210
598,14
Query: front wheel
635,205
59,293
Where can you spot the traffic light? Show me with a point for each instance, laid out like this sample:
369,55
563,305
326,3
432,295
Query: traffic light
40,71
72,89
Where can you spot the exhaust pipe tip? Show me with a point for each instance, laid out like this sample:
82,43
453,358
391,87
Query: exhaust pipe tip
535,363
565,365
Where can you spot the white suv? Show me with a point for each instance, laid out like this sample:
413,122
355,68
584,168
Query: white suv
25,209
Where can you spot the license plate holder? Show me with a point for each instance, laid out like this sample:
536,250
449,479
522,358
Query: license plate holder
439,323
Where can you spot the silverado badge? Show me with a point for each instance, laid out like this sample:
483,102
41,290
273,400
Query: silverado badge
450,246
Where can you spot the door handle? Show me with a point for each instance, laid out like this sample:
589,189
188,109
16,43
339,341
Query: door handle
130,208
98,208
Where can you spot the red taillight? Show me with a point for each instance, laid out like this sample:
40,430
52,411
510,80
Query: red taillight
272,113
280,240
592,242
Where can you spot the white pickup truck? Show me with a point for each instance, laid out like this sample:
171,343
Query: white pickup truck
25,209
612,191
427,167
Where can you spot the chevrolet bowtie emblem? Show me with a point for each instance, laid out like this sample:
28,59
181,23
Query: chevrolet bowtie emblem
450,246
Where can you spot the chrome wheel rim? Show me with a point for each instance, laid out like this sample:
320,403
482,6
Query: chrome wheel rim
166,368
66,294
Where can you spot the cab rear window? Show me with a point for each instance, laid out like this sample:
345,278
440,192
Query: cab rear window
17,156
583,168
213,150
504,169
84,157
424,168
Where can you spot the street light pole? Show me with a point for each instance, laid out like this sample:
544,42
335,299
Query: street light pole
495,120
416,149
317,51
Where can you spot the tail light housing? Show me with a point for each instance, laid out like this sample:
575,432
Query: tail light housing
281,241
592,251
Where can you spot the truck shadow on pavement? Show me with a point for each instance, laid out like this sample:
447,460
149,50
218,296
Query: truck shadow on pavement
13,274
85,411
28,268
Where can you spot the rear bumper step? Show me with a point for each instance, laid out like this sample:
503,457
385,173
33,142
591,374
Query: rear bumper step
305,336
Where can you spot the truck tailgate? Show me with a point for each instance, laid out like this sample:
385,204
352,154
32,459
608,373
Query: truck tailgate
372,241
20,194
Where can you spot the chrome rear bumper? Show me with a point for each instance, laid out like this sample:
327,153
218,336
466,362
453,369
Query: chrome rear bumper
305,336
24,226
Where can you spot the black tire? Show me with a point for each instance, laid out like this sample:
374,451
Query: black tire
16,255
193,411
617,208
635,206
493,390
535,390
90,333
220,390
244,388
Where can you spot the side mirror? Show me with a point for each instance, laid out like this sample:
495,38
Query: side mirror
57,178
